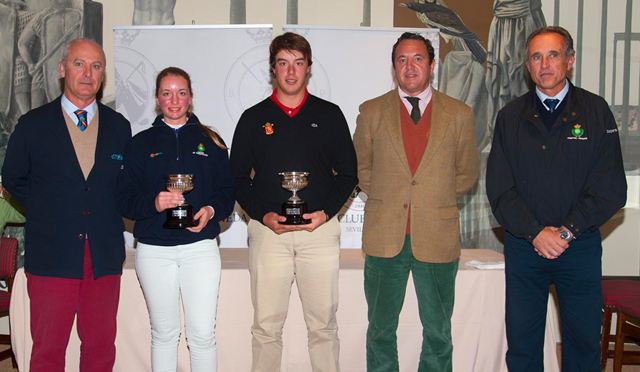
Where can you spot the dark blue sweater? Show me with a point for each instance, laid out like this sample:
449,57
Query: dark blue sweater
159,151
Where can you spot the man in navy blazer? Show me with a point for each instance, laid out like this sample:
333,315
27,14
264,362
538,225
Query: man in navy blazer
62,164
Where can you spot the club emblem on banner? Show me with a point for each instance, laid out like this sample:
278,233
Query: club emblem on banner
135,80
248,81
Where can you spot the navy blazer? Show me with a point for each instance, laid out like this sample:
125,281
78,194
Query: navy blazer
41,170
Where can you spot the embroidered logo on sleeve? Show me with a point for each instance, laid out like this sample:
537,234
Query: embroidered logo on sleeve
578,133
116,157
153,155
268,129
609,131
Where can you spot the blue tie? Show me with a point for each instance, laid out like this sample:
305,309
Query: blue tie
551,103
82,119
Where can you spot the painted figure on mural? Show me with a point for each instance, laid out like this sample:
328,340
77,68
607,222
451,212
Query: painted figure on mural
436,14
513,21
40,47
16,100
153,12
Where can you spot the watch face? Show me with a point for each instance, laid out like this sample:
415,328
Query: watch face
565,235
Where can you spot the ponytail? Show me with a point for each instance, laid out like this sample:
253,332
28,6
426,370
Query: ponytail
213,135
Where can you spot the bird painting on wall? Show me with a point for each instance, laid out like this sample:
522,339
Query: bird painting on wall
436,14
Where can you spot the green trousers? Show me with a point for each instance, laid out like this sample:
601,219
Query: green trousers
385,284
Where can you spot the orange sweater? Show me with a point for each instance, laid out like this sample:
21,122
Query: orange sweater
415,138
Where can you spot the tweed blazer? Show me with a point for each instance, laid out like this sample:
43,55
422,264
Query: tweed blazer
448,169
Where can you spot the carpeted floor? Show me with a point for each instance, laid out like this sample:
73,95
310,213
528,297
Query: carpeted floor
5,365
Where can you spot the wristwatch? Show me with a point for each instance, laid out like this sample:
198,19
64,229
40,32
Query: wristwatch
565,234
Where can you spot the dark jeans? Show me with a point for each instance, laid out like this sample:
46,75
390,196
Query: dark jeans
577,276
385,284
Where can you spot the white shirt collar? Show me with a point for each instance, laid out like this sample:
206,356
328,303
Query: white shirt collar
176,126
560,96
70,108
425,97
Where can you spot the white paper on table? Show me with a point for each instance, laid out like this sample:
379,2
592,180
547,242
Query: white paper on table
492,265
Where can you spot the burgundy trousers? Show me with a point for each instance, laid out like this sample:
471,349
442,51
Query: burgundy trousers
54,305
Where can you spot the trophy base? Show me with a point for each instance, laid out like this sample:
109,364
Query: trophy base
295,221
179,217
294,212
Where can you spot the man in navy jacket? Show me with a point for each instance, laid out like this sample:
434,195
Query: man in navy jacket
62,164
554,176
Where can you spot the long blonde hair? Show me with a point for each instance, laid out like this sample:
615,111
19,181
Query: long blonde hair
175,71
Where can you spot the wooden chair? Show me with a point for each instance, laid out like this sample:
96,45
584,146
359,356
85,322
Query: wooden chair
8,267
627,328
613,290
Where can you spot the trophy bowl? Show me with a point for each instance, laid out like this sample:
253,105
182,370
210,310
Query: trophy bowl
181,216
294,207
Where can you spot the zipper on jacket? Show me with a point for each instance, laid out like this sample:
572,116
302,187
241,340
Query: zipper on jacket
177,146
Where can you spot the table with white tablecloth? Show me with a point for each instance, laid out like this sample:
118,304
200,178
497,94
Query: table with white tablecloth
478,321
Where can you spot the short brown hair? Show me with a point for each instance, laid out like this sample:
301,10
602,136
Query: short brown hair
289,41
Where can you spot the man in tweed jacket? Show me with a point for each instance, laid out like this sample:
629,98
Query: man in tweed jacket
416,158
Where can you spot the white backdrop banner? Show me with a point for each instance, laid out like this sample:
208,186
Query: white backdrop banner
229,68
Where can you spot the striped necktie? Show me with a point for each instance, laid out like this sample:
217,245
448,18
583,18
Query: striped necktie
82,119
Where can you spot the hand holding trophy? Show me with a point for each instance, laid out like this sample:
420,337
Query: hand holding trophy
181,216
294,207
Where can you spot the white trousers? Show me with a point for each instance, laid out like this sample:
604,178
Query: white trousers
312,259
165,273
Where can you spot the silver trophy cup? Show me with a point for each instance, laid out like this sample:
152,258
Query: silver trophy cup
181,216
294,207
